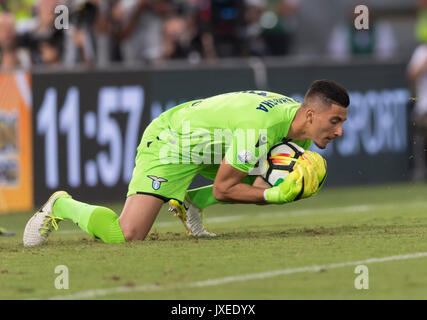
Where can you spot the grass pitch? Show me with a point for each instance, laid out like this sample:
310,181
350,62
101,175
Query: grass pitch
304,250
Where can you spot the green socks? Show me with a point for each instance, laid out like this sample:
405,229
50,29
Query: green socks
202,197
104,224
99,222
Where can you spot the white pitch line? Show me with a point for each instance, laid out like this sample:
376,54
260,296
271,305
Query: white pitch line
292,213
225,280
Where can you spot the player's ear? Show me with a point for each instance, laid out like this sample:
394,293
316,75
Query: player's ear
309,115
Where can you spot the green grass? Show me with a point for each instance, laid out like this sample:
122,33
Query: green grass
338,225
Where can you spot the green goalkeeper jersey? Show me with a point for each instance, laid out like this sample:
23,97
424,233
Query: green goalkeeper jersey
240,126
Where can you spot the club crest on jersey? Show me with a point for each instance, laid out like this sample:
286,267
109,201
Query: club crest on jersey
157,181
245,156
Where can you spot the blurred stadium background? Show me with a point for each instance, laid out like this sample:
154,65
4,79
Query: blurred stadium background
74,102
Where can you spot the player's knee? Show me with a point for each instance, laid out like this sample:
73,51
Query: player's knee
132,234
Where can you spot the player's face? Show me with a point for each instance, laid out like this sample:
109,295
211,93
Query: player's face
327,124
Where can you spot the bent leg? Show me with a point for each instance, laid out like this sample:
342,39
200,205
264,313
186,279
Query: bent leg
135,222
100,222
138,215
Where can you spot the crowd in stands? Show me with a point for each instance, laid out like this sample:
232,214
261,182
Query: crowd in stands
103,32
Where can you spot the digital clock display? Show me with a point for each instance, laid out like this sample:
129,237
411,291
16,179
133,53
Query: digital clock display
88,124
86,131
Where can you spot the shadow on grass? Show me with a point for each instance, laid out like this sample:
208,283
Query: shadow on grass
322,231
246,233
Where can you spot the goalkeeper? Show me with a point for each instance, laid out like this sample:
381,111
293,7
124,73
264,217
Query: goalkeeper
178,145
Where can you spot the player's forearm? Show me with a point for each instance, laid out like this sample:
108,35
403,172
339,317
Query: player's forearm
240,193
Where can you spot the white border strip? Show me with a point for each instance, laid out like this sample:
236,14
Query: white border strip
219,281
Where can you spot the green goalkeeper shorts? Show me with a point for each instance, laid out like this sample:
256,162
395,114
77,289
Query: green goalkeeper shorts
165,181
151,176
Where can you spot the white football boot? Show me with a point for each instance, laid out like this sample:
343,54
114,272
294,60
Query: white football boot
191,216
42,222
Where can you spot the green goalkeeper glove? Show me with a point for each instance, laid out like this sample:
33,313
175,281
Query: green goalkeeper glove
319,164
301,183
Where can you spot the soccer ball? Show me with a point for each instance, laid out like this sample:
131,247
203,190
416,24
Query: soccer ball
280,163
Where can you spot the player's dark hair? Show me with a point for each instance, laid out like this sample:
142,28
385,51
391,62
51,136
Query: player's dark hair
329,91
